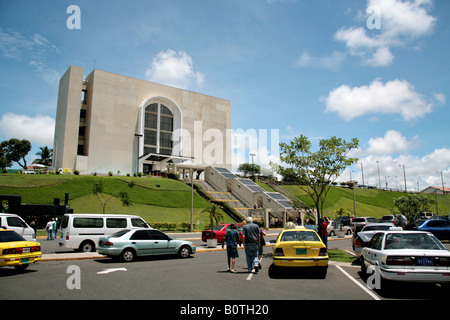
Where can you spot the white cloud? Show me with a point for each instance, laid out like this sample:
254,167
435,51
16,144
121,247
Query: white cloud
387,171
393,142
400,22
174,69
32,50
332,61
392,97
38,130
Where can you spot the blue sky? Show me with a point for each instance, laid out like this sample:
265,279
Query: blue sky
375,70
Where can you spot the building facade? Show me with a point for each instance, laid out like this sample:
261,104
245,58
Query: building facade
108,122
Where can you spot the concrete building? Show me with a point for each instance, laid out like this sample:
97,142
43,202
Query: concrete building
113,123
438,190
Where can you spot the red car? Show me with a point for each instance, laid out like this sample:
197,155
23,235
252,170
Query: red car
219,232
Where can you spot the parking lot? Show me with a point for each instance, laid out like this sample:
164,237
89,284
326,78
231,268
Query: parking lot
203,277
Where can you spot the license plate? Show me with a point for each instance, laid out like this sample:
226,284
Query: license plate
300,251
26,250
26,260
424,261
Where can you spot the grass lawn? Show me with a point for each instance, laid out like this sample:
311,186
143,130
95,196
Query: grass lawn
341,256
369,202
154,199
169,201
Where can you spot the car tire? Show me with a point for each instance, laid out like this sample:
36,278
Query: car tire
322,272
87,246
349,232
128,255
184,252
363,267
332,233
21,267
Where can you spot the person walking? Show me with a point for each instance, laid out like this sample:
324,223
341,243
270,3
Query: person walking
251,236
325,232
262,243
34,225
49,228
232,239
55,228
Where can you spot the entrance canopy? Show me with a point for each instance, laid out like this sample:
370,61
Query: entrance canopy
158,157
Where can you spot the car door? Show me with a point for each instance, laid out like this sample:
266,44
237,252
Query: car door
19,226
162,244
445,230
142,242
434,226
372,250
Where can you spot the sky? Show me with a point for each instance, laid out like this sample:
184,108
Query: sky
375,70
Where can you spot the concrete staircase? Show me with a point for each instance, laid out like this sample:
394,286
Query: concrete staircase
223,196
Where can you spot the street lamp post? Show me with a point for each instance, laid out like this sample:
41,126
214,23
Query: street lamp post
138,151
442,180
379,180
404,174
362,174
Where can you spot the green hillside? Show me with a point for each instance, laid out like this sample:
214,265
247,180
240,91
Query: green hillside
154,199
160,200
369,202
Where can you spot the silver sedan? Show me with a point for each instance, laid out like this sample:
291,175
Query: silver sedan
129,244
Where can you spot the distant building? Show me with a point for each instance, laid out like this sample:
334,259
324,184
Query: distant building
438,190
114,123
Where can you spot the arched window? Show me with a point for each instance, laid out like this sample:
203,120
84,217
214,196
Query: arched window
158,129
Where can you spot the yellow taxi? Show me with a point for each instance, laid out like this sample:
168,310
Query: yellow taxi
300,247
16,251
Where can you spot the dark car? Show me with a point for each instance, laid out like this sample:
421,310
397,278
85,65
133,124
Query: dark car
439,227
344,220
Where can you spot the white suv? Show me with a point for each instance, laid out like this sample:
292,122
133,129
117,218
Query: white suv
361,222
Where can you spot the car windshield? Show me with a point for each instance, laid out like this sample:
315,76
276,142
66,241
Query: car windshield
359,220
412,241
219,227
299,236
9,236
119,233
375,227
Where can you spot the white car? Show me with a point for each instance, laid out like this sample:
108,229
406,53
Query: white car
331,229
409,256
363,237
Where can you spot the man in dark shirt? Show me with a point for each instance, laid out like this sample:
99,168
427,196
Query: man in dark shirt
251,237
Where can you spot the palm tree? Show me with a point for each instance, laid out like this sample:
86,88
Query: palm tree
46,156
214,217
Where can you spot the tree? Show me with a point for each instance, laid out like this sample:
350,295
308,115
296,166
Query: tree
314,171
16,150
247,168
412,205
46,156
214,216
122,195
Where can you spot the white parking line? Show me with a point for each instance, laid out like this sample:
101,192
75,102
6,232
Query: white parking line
250,276
369,292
